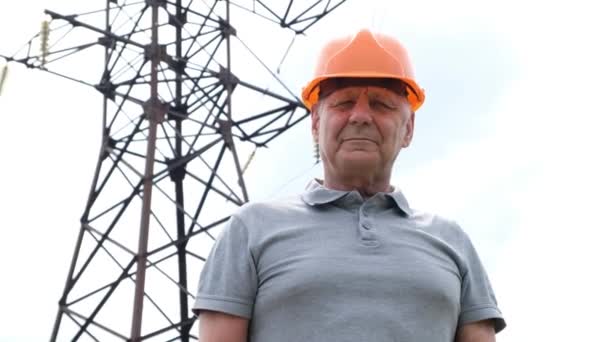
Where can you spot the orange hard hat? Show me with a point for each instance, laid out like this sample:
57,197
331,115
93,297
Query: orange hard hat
366,55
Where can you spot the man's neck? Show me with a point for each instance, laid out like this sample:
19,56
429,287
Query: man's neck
366,186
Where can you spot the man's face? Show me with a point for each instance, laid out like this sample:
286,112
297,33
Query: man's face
361,129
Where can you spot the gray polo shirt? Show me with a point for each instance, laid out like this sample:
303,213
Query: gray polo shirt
331,266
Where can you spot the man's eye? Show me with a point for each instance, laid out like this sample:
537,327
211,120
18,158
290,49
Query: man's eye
344,103
381,104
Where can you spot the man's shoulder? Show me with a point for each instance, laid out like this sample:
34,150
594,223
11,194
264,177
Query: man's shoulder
438,226
272,209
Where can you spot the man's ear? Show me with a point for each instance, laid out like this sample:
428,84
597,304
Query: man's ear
409,130
314,115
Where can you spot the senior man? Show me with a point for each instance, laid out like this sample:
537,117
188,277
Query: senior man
349,259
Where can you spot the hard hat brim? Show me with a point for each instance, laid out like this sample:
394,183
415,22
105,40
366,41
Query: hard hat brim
310,93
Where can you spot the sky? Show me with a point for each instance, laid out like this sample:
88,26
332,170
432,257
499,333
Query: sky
510,143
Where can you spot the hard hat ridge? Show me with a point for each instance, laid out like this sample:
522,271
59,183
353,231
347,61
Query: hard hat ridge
365,56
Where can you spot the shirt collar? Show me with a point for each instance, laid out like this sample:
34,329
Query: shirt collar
401,201
317,194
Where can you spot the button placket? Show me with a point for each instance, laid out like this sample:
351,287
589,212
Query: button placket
366,226
365,221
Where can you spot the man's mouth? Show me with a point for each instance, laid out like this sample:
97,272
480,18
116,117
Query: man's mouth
358,139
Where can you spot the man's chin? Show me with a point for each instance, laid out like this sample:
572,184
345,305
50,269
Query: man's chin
360,162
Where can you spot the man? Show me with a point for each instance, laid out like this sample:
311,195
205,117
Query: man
349,260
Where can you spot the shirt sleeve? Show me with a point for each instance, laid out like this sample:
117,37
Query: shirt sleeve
478,301
228,282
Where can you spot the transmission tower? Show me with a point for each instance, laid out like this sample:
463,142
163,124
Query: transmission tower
177,123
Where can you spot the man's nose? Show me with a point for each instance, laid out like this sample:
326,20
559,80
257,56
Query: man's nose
361,113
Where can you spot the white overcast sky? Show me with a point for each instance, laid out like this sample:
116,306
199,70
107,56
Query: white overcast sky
511,143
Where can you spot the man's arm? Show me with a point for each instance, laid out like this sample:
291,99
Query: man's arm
220,327
482,331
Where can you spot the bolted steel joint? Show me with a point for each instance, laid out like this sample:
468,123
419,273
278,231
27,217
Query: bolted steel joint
227,79
226,28
154,110
177,169
157,53
159,3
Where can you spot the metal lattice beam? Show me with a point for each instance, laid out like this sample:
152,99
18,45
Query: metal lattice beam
170,158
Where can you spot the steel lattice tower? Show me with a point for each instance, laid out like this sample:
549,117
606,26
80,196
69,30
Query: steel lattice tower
170,168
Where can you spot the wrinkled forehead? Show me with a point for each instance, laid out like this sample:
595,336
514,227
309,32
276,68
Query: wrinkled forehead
329,86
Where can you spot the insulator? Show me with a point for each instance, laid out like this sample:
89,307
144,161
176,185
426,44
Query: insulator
3,74
249,160
44,41
317,153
